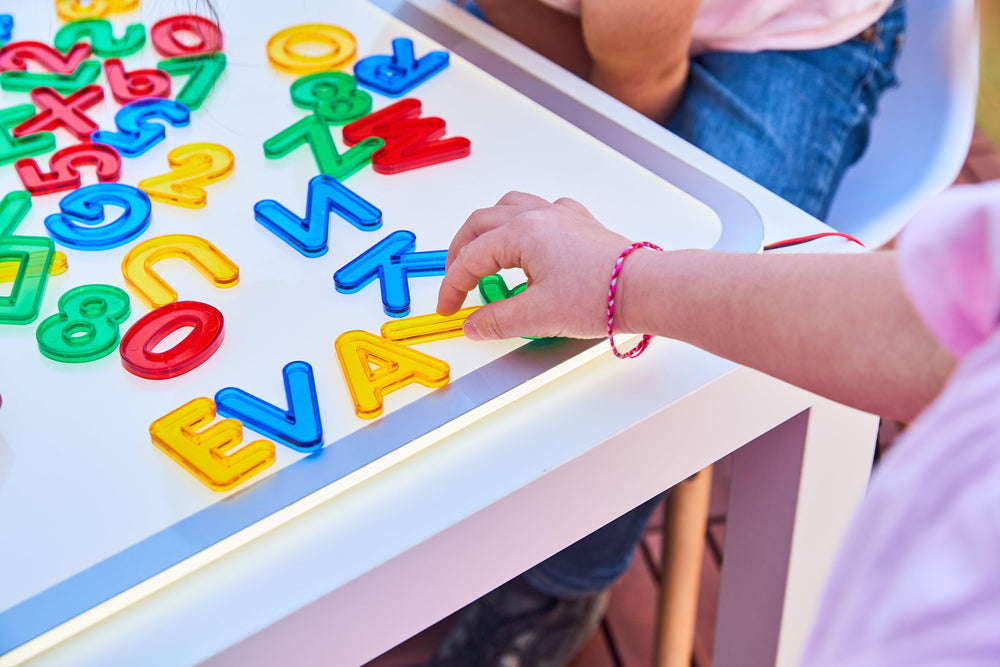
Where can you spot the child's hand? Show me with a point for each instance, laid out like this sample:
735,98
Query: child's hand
567,255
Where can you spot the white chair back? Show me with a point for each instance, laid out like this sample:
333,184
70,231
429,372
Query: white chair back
921,135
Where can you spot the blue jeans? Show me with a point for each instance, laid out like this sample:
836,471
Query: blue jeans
793,121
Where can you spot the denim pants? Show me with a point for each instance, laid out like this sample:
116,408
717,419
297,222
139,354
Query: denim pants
792,121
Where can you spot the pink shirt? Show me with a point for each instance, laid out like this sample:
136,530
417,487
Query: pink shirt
755,25
917,581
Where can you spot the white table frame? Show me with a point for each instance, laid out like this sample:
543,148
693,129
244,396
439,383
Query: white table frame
380,562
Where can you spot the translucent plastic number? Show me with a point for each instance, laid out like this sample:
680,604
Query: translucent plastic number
63,72
334,99
210,452
130,86
172,36
9,271
102,37
202,72
333,96
204,338
86,326
16,56
136,132
64,168
192,166
23,260
70,10
81,224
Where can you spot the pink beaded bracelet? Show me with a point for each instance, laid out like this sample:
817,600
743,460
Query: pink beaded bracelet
644,343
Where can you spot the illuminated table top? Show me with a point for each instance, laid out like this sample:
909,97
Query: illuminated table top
552,467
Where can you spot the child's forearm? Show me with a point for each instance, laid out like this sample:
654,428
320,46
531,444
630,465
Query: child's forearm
838,325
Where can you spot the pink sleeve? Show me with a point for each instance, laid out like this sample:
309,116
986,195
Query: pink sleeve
949,257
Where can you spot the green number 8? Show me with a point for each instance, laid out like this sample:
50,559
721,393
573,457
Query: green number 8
86,326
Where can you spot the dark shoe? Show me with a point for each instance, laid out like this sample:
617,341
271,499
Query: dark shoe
516,625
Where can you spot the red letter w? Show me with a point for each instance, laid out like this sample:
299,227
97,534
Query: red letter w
410,141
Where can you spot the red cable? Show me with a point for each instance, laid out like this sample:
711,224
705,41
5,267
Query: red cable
812,237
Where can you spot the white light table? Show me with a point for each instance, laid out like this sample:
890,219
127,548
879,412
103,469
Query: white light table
377,563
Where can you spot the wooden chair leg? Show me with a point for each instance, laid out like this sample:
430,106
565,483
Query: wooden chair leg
684,526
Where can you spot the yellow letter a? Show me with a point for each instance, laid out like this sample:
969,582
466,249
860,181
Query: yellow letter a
374,366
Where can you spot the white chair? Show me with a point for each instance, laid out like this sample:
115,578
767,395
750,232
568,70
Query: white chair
922,132
919,142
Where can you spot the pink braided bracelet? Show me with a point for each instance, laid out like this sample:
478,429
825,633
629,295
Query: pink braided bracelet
644,343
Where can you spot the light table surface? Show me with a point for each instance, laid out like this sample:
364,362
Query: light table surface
378,563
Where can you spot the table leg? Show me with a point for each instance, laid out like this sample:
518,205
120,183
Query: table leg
793,493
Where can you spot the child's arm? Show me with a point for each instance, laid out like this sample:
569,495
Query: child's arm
552,33
640,50
635,50
838,325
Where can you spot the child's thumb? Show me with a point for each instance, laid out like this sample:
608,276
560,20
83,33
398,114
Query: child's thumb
501,319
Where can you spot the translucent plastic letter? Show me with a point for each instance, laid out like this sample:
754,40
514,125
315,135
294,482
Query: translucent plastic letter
411,142
207,452
391,260
137,267
373,366
33,255
283,54
299,426
426,328
401,72
310,235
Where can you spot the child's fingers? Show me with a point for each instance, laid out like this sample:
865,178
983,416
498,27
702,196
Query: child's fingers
486,219
522,199
506,318
483,256
573,205
480,222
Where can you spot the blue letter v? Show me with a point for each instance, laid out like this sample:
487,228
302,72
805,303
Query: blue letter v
299,427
